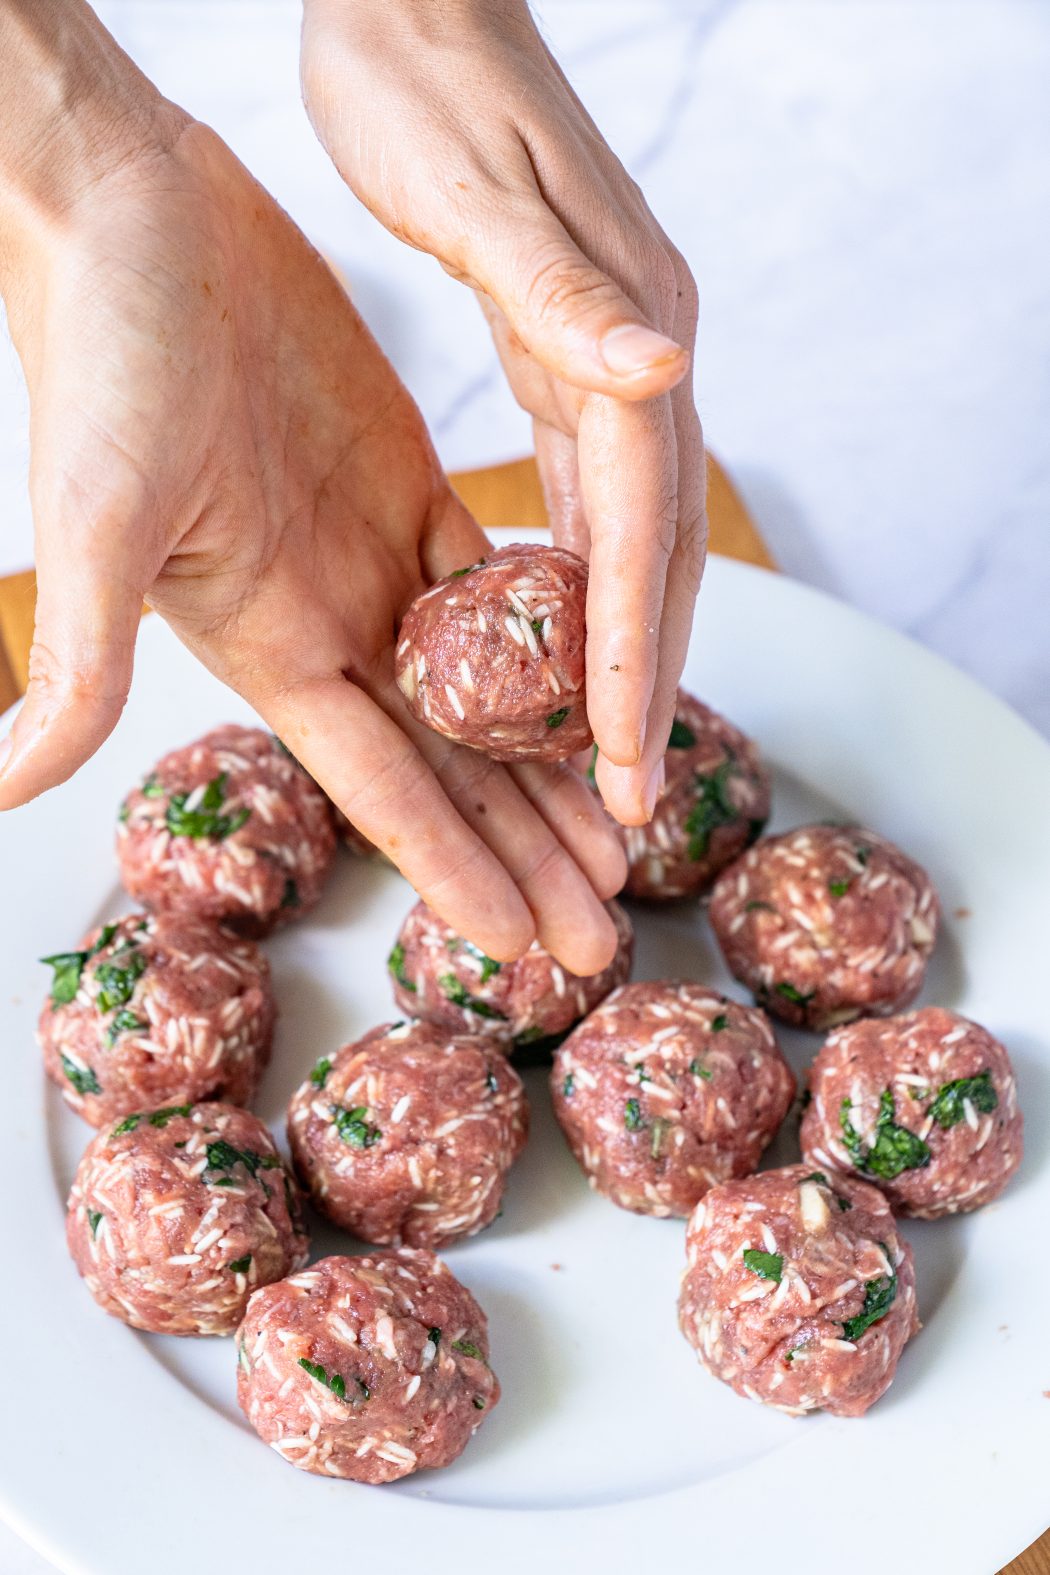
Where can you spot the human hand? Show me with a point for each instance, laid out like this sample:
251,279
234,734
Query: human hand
454,124
214,429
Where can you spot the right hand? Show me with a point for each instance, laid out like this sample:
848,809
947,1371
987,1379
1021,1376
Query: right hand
213,429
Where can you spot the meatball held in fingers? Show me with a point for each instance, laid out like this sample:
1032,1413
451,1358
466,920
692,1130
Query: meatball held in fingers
924,1105
526,1006
230,828
177,1214
366,1368
156,1009
493,655
406,1136
826,923
667,1089
798,1291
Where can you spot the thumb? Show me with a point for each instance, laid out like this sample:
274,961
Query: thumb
80,669
571,316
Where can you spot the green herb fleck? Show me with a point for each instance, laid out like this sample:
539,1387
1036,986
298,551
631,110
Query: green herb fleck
319,1075
68,966
492,1083
94,1220
537,626
632,1115
82,1078
556,718
839,888
757,906
128,1124
590,769
489,965
895,1148
863,854
151,788
682,736
434,1336
568,1086
719,1022
352,1126
948,1108
457,574
240,1265
125,1022
458,994
713,808
396,965
478,1403
878,1299
790,993
160,1118
467,1348
123,812
223,1156
116,984
698,1069
205,820
817,1175
335,1383
769,1265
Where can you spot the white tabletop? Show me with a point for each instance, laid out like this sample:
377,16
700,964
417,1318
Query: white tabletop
862,188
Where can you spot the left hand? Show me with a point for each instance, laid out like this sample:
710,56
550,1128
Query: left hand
454,124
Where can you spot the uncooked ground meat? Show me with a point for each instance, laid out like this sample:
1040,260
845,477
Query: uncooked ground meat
228,828
715,803
176,1215
443,979
367,1368
667,1089
493,656
798,1292
406,1136
923,1105
157,1009
826,923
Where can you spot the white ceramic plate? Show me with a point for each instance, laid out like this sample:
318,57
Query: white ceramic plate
122,1453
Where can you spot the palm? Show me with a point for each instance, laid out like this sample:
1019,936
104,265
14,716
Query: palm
269,486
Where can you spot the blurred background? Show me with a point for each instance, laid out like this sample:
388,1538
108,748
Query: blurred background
862,188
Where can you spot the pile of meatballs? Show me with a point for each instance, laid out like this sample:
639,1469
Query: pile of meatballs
183,1218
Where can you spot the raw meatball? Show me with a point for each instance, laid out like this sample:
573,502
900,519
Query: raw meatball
667,1089
493,656
228,828
368,1368
444,979
407,1135
156,1009
176,1215
925,1105
826,923
798,1292
714,804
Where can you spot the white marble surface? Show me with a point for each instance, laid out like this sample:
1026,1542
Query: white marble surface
863,190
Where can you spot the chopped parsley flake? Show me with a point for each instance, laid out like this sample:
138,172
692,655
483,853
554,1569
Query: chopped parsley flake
94,1217
839,888
223,1156
537,626
458,994
863,854
116,985
468,1348
492,1083
791,993
457,574
878,1299
396,965
948,1108
769,1265
699,1070
240,1265
335,1383
352,1126
719,1022
82,1078
205,820
713,808
68,967
160,1118
632,1115
489,965
151,788
568,1086
556,718
319,1075
125,1022
590,769
478,1403
895,1148
682,736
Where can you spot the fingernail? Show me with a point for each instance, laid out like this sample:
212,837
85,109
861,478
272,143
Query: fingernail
654,787
631,348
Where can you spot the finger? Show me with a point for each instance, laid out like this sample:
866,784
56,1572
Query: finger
80,669
377,777
452,538
560,794
556,458
627,791
628,481
567,313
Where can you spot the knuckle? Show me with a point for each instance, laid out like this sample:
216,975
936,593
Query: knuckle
560,284
543,866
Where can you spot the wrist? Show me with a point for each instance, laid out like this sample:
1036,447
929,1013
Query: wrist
73,110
